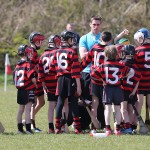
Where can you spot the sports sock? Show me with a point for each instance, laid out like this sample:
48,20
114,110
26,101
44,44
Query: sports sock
20,127
28,127
33,123
127,125
117,127
51,126
57,123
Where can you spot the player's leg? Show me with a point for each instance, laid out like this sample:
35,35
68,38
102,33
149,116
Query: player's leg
51,107
117,119
27,117
59,107
75,112
22,99
107,112
95,103
19,118
139,103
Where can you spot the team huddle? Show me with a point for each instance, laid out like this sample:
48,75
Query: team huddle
83,87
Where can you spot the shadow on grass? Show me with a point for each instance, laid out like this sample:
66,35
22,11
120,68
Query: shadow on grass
8,133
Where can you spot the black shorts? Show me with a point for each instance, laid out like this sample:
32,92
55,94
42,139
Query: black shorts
145,92
126,97
25,96
112,95
97,90
86,83
66,86
51,97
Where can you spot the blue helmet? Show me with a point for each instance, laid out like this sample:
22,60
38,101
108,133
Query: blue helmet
145,32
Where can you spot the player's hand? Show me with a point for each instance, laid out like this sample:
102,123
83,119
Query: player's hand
125,31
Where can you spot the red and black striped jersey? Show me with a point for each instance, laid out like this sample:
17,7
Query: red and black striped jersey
66,62
22,75
110,72
96,57
134,76
143,62
43,72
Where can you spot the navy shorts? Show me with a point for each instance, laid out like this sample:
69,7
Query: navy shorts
51,97
25,96
112,95
145,92
66,86
126,97
97,90
86,83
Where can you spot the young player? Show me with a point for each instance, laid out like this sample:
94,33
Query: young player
36,39
96,57
142,38
67,67
110,73
129,85
25,82
49,80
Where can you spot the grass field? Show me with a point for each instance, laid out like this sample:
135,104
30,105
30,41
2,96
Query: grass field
12,141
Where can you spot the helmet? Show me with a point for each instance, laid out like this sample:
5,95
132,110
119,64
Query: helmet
22,50
35,36
140,35
145,32
65,35
54,39
128,50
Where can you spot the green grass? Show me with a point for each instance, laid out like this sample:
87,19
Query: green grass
11,141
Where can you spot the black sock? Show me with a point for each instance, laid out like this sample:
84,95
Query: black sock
108,127
33,123
28,127
117,127
20,127
51,126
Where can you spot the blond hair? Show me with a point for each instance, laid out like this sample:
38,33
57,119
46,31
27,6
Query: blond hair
111,52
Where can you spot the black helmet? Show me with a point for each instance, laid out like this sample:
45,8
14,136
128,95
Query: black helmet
22,50
65,35
35,36
128,50
55,40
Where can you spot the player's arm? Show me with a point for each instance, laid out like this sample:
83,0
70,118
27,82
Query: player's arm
83,51
121,34
134,90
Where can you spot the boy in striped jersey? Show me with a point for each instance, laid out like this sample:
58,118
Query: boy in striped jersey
25,82
36,39
67,68
49,80
110,73
129,86
96,57
142,38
